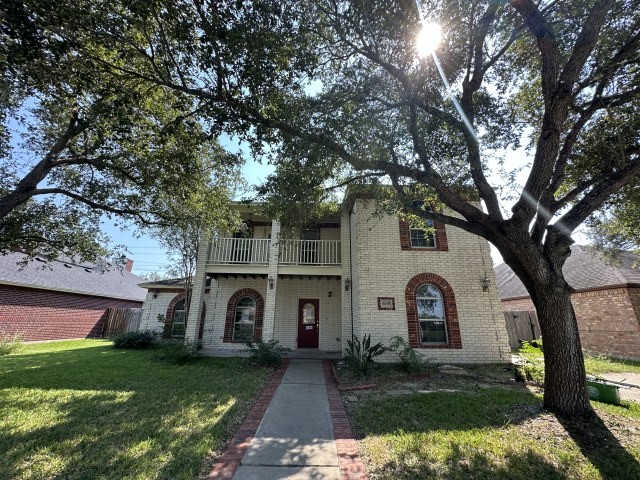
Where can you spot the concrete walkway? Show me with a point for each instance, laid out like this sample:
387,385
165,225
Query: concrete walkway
295,438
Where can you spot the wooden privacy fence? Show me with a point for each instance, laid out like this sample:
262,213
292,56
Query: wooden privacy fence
522,326
119,320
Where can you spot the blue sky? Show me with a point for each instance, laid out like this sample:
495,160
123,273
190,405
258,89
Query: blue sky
147,254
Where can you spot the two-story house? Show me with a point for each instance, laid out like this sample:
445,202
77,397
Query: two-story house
352,274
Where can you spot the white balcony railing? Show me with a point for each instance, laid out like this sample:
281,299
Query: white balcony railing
239,250
309,252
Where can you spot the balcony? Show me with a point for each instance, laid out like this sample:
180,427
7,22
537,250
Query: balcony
250,256
239,251
309,252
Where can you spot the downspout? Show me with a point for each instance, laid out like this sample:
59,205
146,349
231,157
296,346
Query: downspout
351,272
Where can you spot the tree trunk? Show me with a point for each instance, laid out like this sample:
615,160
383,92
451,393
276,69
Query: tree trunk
565,390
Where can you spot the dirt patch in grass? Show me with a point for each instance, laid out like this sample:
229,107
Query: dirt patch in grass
483,425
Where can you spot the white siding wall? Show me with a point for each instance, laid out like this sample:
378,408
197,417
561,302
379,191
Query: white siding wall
382,269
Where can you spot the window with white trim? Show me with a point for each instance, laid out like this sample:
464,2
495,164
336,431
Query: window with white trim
431,315
179,324
421,237
245,320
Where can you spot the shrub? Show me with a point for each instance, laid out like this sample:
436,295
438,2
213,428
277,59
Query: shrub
265,354
136,340
532,367
360,353
179,352
10,344
411,360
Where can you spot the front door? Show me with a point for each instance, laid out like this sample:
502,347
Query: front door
308,322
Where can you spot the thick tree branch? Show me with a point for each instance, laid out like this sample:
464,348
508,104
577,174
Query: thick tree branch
593,199
30,181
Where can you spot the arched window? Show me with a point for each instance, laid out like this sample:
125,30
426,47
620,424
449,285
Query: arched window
245,320
179,324
431,315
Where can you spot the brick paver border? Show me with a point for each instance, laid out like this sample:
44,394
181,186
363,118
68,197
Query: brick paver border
229,461
351,466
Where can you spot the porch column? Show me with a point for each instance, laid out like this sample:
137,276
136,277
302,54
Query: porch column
345,244
197,291
270,301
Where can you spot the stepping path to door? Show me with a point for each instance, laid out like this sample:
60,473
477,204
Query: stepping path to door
298,429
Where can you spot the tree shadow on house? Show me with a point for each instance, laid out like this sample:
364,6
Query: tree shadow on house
105,413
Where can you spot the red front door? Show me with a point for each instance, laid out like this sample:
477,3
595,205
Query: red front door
308,322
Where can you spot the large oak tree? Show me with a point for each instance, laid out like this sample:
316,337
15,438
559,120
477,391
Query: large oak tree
94,143
333,91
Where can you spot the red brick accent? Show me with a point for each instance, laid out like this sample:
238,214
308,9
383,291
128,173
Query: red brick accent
168,319
231,312
351,465
608,319
49,315
450,311
231,457
441,238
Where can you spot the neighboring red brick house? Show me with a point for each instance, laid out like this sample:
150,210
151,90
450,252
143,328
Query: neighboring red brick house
606,300
62,299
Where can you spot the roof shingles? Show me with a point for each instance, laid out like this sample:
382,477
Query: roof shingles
68,276
583,270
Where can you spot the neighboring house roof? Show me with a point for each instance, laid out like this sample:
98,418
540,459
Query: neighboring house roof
168,283
583,270
71,276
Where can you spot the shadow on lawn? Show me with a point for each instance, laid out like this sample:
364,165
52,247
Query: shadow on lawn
601,447
123,415
441,435
526,466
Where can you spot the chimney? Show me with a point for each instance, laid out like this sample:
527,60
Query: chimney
129,266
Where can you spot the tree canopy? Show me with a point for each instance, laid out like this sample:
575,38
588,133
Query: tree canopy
95,143
333,92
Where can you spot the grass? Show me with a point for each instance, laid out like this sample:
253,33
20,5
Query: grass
491,433
594,364
84,410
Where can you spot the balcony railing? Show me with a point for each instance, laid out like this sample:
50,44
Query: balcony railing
239,250
309,252
256,251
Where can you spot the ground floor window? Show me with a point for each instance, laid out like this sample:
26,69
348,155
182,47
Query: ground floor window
245,320
179,324
431,316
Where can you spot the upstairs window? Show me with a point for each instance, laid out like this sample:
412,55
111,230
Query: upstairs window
419,236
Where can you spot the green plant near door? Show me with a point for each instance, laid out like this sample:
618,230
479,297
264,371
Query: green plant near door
360,353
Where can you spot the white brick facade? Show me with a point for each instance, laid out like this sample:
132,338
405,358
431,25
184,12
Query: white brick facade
374,265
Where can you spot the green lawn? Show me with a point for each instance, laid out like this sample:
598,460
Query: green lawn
84,410
492,433
594,364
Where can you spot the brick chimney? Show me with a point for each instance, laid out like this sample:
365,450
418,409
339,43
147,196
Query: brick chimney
129,265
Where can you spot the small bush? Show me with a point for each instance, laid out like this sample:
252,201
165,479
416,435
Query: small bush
135,340
265,354
532,367
530,372
360,353
10,343
179,353
411,360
